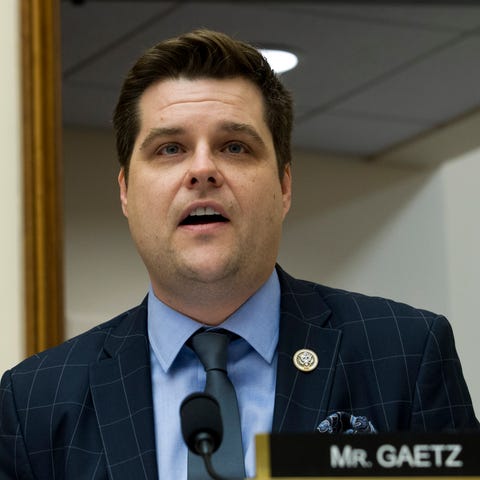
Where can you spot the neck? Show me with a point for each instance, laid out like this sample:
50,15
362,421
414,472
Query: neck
208,303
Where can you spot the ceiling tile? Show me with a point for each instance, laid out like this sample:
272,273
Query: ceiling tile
352,135
89,28
336,55
437,89
446,16
86,106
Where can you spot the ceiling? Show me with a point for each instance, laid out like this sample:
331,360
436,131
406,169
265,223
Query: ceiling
371,76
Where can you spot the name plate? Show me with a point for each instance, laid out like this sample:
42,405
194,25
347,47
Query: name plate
317,455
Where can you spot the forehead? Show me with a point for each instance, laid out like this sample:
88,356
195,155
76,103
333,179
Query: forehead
183,99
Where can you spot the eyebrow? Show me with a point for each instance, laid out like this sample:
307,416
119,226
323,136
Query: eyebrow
160,132
243,128
226,126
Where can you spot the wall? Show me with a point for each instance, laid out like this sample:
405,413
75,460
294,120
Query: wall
11,280
103,274
369,227
462,200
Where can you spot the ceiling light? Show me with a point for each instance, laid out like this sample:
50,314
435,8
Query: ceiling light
280,60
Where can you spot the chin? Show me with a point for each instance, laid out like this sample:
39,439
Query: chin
210,271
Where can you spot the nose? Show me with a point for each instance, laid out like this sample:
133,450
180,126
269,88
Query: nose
203,170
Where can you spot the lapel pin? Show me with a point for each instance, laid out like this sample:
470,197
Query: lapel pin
305,360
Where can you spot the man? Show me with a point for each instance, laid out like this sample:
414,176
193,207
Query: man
203,137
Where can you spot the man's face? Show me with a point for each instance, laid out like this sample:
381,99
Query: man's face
203,198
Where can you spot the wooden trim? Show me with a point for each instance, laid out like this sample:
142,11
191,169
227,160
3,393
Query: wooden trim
41,81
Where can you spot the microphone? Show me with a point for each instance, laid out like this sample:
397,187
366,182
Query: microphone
202,427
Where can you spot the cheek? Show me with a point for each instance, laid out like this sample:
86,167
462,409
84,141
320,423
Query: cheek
145,207
266,205
150,188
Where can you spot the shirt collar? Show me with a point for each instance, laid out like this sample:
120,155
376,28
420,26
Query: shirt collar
256,321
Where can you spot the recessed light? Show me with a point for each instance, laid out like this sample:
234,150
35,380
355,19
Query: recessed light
280,60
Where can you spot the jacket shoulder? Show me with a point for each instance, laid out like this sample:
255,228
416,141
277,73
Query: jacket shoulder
347,306
80,350
373,307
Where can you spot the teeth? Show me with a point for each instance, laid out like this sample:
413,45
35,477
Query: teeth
204,211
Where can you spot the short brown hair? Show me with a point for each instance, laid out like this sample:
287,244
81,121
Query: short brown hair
203,54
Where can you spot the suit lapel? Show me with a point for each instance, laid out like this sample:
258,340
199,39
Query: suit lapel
122,396
301,398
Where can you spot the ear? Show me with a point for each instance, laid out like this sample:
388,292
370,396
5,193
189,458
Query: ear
122,183
286,183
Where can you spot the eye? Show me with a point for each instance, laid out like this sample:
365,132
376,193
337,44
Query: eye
169,149
236,148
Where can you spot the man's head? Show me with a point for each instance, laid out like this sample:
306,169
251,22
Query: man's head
205,196
197,55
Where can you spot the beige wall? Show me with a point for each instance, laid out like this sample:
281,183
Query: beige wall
366,227
11,282
461,181
369,227
104,275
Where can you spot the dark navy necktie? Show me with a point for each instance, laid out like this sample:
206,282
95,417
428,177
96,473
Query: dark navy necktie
228,460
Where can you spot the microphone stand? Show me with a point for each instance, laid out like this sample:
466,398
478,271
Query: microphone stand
202,428
204,448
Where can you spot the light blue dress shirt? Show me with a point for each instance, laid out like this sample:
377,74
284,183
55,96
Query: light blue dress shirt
177,372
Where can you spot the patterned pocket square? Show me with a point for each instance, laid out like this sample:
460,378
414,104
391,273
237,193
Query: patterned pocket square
342,422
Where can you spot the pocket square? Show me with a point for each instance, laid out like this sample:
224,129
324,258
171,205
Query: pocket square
342,422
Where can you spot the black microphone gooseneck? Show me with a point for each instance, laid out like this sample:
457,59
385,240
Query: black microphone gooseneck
202,428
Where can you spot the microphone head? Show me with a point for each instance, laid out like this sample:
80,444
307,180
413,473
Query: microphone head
200,415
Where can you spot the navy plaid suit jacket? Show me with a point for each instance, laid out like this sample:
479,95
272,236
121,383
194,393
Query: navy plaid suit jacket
83,410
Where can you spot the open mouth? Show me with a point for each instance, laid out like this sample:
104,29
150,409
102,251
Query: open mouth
203,215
